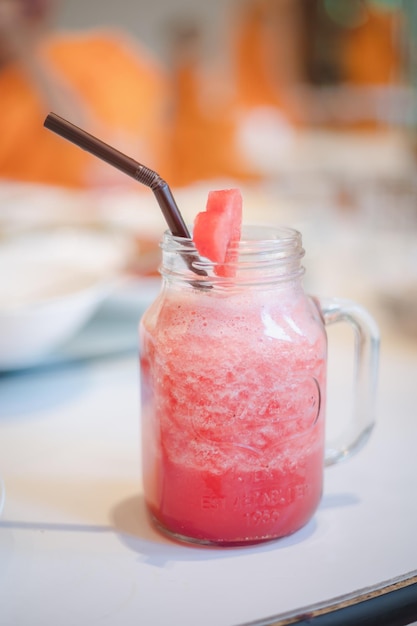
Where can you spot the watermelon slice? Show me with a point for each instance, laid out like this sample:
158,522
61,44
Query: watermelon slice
219,226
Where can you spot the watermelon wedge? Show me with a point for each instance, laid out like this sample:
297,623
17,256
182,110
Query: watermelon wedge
219,226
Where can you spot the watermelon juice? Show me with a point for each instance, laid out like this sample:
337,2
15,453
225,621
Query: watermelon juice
233,396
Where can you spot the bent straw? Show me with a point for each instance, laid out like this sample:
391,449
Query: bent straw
125,164
132,168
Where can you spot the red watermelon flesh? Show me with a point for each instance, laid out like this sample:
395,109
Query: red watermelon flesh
219,226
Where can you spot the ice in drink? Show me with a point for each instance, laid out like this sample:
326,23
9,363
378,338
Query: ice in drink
233,397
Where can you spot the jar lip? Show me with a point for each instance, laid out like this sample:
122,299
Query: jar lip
261,235
264,254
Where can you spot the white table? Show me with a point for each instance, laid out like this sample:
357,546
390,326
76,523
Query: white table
76,547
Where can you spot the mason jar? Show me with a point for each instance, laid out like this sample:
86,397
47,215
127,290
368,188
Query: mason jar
233,391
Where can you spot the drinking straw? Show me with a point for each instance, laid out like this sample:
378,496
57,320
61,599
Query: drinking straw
132,168
125,164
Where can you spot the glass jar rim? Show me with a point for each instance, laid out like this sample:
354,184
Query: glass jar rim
262,234
264,253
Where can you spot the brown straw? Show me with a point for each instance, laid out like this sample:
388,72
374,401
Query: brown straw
128,166
132,168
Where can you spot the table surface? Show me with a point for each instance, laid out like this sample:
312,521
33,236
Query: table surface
76,546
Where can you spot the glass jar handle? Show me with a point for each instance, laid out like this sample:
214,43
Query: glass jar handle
366,359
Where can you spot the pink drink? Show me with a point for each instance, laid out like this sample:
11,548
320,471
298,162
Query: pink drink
233,395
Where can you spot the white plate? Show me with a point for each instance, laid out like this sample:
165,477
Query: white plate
51,283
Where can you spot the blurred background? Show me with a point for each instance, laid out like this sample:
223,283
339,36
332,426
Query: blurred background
149,22
309,106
